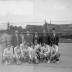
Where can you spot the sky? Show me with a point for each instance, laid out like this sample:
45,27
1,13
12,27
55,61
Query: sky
35,12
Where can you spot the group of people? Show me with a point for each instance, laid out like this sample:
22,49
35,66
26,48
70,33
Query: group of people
32,48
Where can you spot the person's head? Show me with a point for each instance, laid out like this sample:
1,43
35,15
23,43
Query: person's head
28,33
35,42
44,45
53,31
8,46
36,34
12,46
44,32
16,32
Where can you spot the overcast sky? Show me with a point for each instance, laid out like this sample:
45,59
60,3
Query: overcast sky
58,11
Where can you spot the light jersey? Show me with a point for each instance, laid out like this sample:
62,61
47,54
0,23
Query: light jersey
36,46
45,49
24,52
42,49
54,49
22,48
17,52
31,52
8,52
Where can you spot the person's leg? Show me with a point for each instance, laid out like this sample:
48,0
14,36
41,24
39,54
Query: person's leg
11,59
4,59
57,57
30,59
57,54
36,59
21,59
51,54
8,60
45,57
48,58
18,61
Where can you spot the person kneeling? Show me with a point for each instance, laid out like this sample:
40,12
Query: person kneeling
46,52
8,55
55,55
18,55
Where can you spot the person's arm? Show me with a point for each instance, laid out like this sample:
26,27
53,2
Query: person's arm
11,51
21,50
4,53
48,50
56,47
57,40
15,51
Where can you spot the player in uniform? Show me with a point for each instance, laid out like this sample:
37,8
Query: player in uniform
31,53
36,51
18,54
8,54
46,52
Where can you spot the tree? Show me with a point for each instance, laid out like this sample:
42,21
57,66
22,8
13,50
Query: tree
8,26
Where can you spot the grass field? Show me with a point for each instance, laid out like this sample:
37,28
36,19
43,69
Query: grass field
65,64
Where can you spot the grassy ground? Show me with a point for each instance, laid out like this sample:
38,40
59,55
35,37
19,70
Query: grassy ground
62,40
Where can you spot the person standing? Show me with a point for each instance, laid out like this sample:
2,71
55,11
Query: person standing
35,38
54,39
18,54
43,38
16,39
28,38
22,45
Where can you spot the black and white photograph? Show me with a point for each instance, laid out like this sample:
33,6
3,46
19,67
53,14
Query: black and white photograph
35,35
